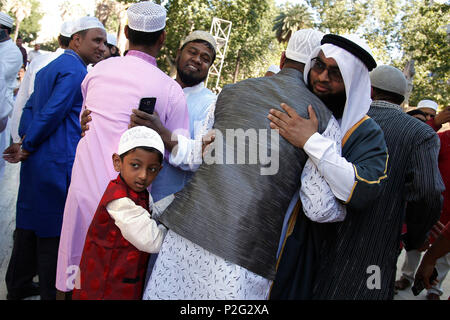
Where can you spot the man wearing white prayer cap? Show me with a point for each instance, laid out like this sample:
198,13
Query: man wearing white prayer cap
338,73
11,60
111,90
27,85
50,130
111,43
429,107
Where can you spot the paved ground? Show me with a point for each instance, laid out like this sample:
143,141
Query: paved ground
8,192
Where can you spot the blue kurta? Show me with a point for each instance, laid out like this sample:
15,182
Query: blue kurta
50,121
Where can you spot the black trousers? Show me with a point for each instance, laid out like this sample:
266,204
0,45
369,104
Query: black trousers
32,255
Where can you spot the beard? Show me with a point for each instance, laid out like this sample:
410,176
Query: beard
334,102
189,79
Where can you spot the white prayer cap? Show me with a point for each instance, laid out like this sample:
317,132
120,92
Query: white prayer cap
274,68
140,137
427,104
302,43
66,29
201,35
390,79
146,16
111,39
6,20
86,23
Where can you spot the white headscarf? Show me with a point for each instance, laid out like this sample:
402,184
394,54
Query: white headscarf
356,79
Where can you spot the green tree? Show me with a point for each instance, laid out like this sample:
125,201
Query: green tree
339,16
291,19
424,39
252,44
30,26
26,15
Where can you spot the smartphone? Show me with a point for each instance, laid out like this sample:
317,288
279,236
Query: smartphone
3,35
147,105
418,287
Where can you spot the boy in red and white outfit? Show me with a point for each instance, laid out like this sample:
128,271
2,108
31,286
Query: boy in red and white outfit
122,233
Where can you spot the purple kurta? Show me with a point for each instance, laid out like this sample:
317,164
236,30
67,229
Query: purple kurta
111,90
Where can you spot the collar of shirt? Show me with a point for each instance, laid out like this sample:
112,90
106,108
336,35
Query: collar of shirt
144,56
74,54
385,104
194,89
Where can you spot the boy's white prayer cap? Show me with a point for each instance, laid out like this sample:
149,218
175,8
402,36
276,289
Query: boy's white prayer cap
140,137
146,16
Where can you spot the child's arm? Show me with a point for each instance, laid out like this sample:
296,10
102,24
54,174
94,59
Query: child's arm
136,225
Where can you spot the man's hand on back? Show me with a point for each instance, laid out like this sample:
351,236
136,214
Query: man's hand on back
292,127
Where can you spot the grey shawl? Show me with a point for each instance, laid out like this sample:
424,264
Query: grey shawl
233,210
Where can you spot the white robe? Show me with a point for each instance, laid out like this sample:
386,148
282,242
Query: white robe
10,60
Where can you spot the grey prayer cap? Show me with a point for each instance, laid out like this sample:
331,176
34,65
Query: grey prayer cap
201,35
390,79
6,20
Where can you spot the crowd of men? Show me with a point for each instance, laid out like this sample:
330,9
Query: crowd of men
322,215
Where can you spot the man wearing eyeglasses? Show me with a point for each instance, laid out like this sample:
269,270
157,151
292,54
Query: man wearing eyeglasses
338,73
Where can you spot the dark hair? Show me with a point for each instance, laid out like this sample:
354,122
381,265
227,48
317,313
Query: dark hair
209,45
393,97
416,111
8,29
149,149
117,53
143,38
82,33
64,41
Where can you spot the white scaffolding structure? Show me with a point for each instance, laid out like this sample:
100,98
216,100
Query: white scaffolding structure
220,30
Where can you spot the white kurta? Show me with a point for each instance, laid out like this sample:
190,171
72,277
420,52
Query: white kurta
186,271
11,60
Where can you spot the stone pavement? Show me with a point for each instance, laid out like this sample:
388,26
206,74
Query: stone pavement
8,198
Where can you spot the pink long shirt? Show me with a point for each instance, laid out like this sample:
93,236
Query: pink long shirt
111,90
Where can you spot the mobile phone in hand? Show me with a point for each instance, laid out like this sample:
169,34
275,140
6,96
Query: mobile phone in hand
419,286
147,105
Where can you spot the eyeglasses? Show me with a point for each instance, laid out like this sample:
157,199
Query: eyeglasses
333,73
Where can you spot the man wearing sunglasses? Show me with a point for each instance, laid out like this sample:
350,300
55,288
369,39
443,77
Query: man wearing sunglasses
338,73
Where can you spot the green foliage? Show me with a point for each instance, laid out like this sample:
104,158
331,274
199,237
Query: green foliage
425,40
30,26
291,19
340,16
51,45
251,48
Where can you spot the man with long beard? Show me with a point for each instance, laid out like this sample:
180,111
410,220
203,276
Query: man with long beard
320,260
